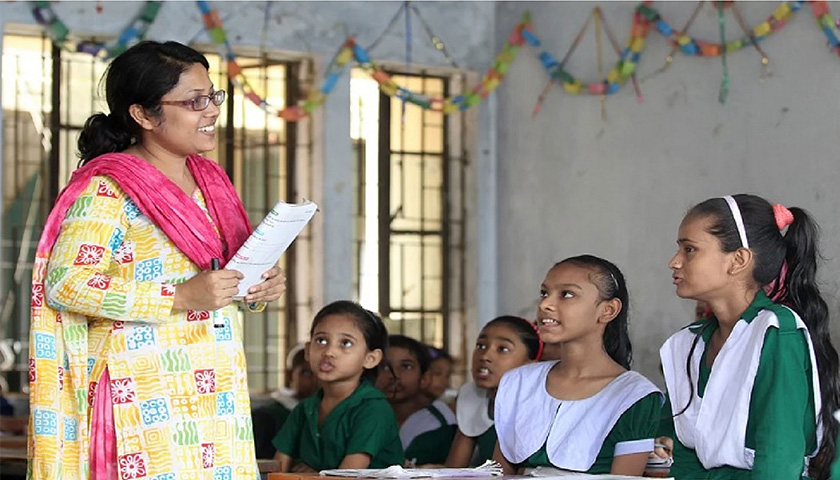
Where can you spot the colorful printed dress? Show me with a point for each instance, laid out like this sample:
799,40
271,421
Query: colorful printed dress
179,387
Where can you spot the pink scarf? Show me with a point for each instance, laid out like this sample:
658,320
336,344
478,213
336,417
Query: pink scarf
157,197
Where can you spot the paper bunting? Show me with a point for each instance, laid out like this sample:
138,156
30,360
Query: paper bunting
691,46
645,18
623,69
133,33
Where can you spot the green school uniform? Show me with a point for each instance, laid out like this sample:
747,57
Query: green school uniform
267,421
781,426
486,444
432,446
640,421
364,422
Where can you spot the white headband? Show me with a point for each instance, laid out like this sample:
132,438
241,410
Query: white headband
739,222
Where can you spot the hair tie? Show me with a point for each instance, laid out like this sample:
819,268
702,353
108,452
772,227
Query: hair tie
783,216
539,339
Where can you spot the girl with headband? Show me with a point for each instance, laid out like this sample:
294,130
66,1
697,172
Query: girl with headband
505,343
752,388
586,412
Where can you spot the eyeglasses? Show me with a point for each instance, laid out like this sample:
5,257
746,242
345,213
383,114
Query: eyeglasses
200,102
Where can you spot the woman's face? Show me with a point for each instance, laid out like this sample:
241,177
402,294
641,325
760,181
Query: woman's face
700,266
570,304
498,349
440,371
181,130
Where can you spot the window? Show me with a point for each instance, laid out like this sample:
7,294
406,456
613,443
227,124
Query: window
410,234
267,158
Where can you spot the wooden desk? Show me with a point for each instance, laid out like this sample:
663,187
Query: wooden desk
13,441
293,476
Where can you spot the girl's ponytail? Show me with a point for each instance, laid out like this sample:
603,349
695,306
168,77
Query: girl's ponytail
802,294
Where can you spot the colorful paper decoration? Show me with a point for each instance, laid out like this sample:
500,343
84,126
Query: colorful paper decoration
645,16
693,47
133,33
625,67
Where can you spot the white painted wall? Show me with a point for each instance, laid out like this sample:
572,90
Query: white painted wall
567,182
570,183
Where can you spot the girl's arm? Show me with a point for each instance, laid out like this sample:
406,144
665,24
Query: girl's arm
355,460
284,460
461,452
781,405
631,464
507,467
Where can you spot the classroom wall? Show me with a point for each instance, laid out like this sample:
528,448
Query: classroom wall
567,181
570,182
317,30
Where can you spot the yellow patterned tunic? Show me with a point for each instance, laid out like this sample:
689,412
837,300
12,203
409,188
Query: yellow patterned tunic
179,387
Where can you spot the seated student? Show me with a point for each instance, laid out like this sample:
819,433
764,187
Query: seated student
752,388
440,375
348,422
267,420
426,428
503,344
586,412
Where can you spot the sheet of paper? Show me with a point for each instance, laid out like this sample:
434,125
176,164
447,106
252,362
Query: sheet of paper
488,469
269,240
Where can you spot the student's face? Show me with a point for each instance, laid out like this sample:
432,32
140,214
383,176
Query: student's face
700,267
497,350
570,305
440,371
338,352
181,130
303,381
407,379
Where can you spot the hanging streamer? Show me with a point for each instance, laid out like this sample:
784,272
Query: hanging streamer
58,31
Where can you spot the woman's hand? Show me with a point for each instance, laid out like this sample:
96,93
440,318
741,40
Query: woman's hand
270,289
209,290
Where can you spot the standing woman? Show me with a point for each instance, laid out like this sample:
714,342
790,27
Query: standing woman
131,373
752,388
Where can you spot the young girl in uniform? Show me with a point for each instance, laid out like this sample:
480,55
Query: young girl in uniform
752,388
504,343
586,412
426,428
348,422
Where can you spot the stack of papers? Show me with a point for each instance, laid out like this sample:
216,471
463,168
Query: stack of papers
488,469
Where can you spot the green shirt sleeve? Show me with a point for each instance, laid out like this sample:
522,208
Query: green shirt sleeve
639,422
374,427
288,439
781,408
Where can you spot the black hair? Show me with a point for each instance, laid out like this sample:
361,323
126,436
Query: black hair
372,327
799,249
611,284
524,329
141,75
415,348
436,353
299,358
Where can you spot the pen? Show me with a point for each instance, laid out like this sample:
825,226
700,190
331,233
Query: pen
217,322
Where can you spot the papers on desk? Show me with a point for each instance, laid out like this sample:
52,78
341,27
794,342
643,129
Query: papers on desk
487,469
270,239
